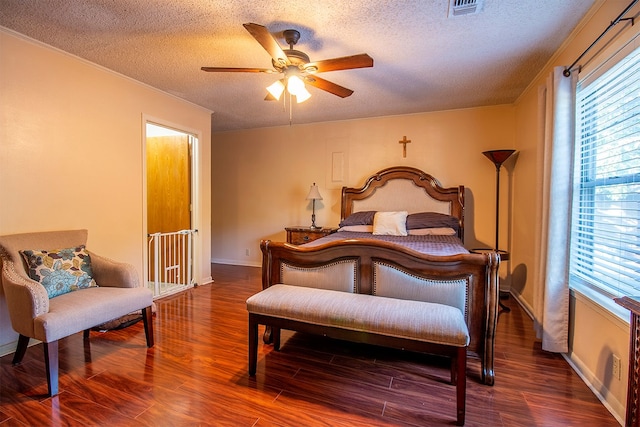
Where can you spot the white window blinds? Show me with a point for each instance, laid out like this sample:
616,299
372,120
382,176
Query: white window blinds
605,235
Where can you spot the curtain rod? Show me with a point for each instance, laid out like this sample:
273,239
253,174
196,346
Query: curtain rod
567,71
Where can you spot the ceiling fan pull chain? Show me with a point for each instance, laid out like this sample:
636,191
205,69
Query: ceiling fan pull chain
284,103
290,109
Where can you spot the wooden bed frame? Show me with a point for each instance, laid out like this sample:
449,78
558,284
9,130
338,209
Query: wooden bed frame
478,271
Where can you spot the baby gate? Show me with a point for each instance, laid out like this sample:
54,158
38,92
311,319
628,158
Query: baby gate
170,262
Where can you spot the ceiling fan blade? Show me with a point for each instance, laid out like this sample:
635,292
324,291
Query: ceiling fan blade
237,70
266,40
344,63
323,84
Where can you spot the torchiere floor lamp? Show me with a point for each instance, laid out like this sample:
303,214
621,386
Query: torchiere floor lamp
498,157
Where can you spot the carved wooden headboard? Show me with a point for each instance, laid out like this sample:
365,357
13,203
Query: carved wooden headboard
404,188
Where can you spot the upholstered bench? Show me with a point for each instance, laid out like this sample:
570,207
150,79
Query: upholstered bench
391,322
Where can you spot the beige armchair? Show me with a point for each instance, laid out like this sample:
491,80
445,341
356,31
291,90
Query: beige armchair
34,314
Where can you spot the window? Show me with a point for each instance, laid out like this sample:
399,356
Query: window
605,231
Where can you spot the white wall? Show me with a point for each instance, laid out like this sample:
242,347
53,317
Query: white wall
71,153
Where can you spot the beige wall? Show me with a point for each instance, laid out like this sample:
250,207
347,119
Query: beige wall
595,334
261,177
71,153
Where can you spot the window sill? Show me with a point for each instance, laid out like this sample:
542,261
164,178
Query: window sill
606,305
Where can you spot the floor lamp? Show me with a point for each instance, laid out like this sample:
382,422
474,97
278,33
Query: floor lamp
498,157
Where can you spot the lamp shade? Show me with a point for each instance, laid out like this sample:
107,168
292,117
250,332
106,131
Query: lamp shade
314,193
498,156
276,89
302,95
294,85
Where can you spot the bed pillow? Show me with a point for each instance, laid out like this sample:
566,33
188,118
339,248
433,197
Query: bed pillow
431,220
60,271
357,228
435,231
358,218
390,223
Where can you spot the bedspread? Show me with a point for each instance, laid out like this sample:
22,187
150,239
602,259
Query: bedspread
429,244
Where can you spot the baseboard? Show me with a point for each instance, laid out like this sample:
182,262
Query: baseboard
524,304
10,347
236,262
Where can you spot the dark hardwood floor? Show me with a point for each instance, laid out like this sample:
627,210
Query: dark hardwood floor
196,375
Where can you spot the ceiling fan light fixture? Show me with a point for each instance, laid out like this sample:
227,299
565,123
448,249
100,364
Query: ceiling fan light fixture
295,85
302,95
276,89
295,66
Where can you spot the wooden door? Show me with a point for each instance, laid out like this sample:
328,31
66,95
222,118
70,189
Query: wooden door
168,184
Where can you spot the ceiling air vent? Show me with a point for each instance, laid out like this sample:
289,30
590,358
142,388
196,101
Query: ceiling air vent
464,7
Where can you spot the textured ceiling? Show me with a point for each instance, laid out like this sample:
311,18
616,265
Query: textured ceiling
423,59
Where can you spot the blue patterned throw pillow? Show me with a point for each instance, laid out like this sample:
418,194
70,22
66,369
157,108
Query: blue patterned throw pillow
61,270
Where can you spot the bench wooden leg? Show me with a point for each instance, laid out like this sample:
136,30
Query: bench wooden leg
276,338
147,319
51,365
253,345
459,364
21,349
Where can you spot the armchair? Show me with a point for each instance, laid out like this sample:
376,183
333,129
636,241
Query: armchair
34,314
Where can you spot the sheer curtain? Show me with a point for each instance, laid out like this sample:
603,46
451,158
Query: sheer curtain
551,296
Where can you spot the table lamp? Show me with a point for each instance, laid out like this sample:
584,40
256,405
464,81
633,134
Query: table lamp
314,195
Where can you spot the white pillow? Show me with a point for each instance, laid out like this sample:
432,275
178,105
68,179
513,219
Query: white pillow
390,223
435,231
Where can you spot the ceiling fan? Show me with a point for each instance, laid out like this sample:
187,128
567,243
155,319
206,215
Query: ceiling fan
296,67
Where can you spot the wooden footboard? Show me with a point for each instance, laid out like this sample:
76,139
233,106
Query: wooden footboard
357,264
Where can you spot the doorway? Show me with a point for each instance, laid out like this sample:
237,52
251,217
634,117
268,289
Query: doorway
169,190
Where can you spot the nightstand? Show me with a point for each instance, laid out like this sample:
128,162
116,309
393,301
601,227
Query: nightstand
299,235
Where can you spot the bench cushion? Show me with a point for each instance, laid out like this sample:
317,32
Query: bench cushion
422,321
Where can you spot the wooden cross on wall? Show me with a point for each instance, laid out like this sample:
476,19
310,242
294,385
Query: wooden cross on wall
404,143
